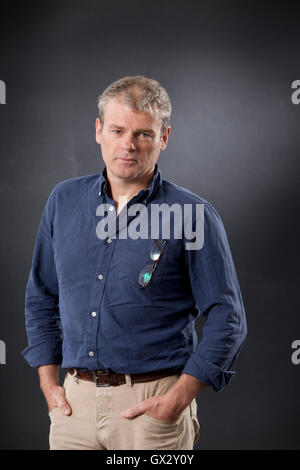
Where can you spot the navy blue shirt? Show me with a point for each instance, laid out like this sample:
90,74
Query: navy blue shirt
85,308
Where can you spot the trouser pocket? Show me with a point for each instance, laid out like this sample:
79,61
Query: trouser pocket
193,411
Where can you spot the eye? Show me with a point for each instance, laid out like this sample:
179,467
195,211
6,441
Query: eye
144,135
116,131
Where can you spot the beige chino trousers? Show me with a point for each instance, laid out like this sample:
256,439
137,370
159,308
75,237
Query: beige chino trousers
96,422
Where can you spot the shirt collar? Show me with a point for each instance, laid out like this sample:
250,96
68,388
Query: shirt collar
147,194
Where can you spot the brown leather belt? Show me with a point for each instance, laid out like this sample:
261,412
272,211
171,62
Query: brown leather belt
105,379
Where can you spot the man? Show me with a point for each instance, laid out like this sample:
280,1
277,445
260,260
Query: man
118,311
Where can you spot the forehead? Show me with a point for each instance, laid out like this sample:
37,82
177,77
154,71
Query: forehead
119,113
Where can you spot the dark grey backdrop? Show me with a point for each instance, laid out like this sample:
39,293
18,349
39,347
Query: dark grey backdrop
235,141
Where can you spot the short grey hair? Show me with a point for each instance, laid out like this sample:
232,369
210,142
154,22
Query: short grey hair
141,94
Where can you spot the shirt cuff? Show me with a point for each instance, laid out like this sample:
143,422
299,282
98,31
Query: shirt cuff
208,373
43,353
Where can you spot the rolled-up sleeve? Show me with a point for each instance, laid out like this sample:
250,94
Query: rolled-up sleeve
42,318
217,294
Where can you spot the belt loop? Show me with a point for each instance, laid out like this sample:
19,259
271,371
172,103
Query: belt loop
128,380
74,376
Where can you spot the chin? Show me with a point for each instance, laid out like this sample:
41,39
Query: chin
126,172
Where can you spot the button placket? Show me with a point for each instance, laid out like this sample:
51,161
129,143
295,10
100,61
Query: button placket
103,263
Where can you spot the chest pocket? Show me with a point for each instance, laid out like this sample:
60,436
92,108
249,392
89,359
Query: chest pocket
131,256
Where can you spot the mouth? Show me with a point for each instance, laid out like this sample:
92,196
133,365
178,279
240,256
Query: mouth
127,160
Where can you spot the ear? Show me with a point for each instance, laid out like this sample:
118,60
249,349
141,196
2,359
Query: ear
164,138
98,136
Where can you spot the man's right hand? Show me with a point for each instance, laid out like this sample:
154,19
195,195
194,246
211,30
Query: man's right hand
54,393
55,398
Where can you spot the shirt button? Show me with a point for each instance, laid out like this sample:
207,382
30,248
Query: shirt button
111,208
94,314
91,353
100,193
109,240
100,276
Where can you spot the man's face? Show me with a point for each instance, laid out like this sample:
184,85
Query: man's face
130,141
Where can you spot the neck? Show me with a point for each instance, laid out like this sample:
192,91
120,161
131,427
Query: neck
122,191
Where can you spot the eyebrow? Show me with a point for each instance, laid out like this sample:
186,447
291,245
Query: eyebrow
148,131
113,126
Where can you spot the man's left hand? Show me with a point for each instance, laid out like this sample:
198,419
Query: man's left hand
159,407
168,407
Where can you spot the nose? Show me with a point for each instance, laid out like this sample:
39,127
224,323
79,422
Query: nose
128,143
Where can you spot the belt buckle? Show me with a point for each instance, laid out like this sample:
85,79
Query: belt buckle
95,372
